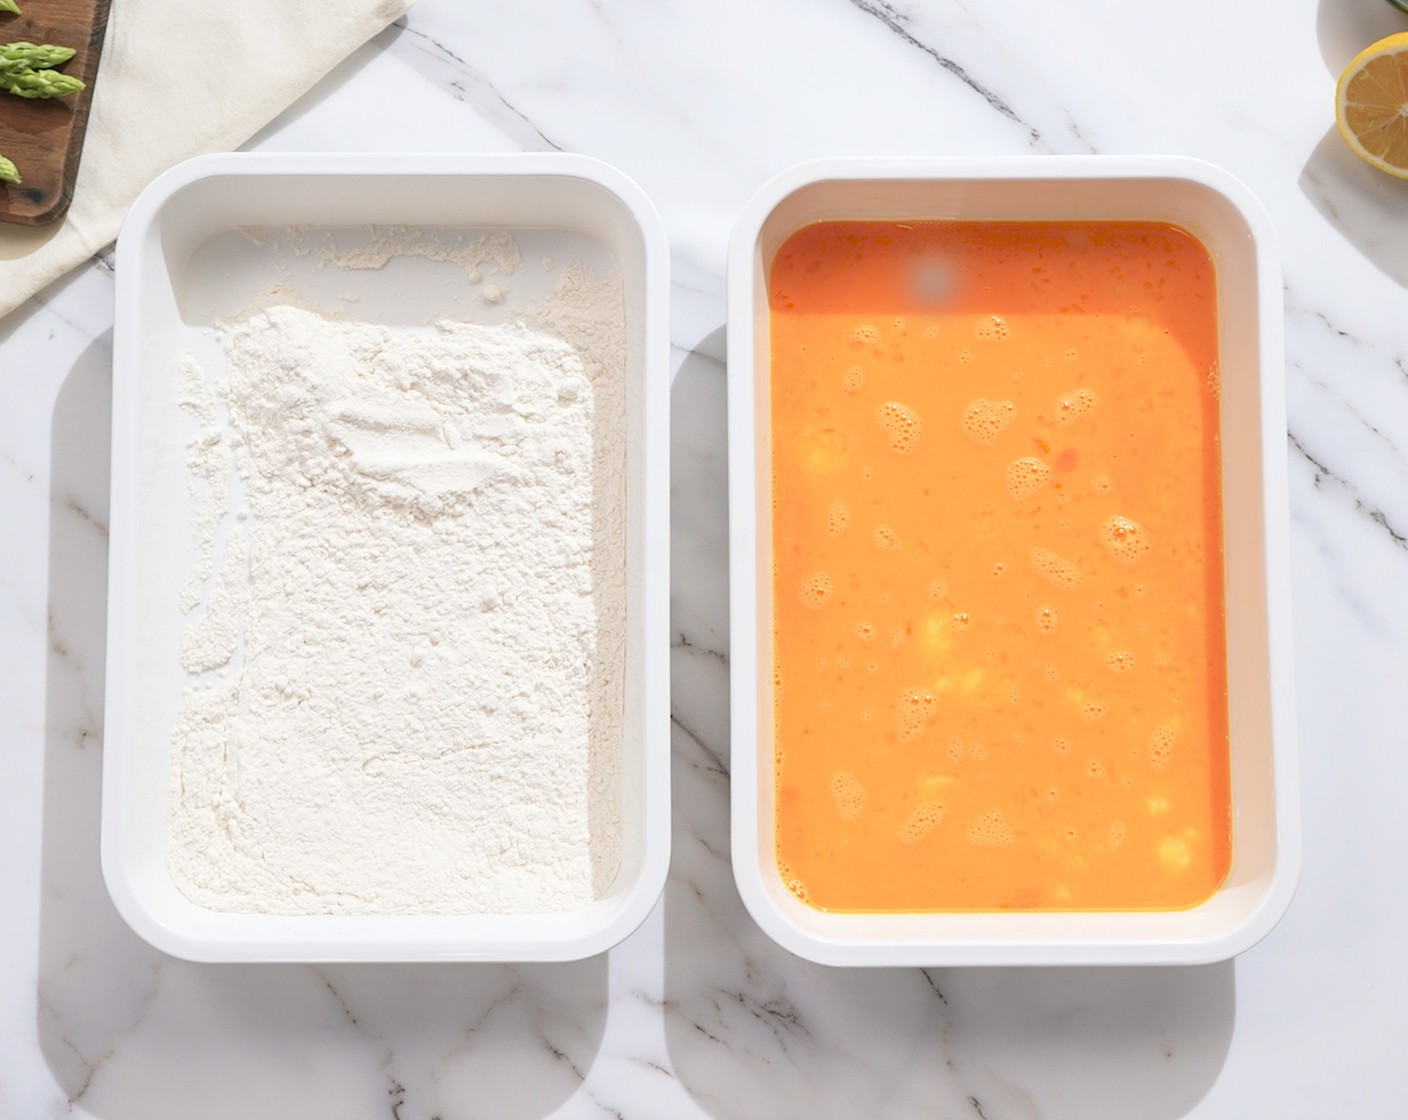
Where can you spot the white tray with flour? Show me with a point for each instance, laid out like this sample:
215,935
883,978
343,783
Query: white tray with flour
506,758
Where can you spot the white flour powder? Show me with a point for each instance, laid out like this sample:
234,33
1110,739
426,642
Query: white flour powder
406,672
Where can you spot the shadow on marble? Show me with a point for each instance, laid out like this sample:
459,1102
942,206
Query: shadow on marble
753,1031
1364,204
699,504
52,294
135,1035
1346,27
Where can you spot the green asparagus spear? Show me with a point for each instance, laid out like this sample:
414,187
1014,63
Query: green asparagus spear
26,70
9,6
34,56
39,83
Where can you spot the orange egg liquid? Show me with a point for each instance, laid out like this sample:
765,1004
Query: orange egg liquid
1000,669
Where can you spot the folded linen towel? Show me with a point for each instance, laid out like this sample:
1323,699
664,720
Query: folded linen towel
180,78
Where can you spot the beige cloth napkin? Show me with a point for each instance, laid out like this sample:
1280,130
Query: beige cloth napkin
180,78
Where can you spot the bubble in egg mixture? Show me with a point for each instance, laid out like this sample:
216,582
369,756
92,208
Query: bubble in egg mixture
990,830
864,630
1102,484
1061,746
848,794
913,710
817,590
1046,619
984,420
792,882
885,538
1092,710
1123,538
1161,746
866,335
853,379
922,820
938,590
1025,476
838,516
1120,661
991,328
1055,569
1075,405
901,424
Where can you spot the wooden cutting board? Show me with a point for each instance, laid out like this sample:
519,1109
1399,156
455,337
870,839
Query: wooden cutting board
45,138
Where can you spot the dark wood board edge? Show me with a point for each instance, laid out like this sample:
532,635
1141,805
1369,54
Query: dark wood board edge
38,206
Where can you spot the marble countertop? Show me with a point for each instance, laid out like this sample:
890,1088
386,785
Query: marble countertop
697,1015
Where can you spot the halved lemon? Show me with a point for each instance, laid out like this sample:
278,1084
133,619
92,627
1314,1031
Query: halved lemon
1371,104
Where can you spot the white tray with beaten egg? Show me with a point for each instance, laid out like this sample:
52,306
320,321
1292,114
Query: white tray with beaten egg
1030,927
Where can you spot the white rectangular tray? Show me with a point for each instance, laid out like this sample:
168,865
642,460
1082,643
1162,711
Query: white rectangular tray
184,265
1235,229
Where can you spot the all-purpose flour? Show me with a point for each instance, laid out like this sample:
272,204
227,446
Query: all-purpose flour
406,687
